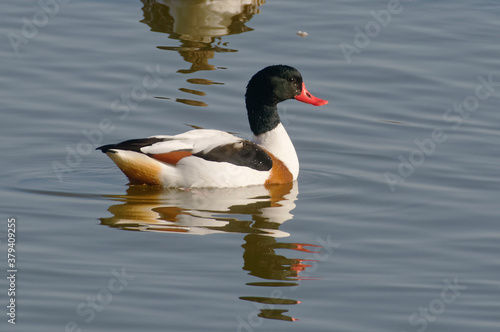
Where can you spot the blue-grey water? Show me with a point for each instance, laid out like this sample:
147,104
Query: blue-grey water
393,224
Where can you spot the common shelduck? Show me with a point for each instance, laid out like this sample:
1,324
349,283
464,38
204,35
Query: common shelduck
214,158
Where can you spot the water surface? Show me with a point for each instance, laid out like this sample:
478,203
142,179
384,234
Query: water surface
391,226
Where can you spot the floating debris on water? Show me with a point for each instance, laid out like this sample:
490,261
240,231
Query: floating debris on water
302,33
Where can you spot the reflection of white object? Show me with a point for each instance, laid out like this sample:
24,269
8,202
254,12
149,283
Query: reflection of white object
203,211
201,20
302,33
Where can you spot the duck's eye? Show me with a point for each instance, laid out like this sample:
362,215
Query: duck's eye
291,79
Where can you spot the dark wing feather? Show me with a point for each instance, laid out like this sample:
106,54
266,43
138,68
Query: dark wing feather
132,145
242,153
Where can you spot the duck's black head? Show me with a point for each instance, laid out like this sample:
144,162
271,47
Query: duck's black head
269,87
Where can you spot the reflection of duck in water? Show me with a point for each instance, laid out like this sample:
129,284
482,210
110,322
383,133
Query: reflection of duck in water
256,211
213,158
247,210
197,24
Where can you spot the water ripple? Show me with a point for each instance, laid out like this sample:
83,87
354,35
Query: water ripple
317,184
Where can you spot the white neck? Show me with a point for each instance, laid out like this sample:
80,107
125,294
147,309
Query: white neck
279,144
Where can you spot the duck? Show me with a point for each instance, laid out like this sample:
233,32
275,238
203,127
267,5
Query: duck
205,158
